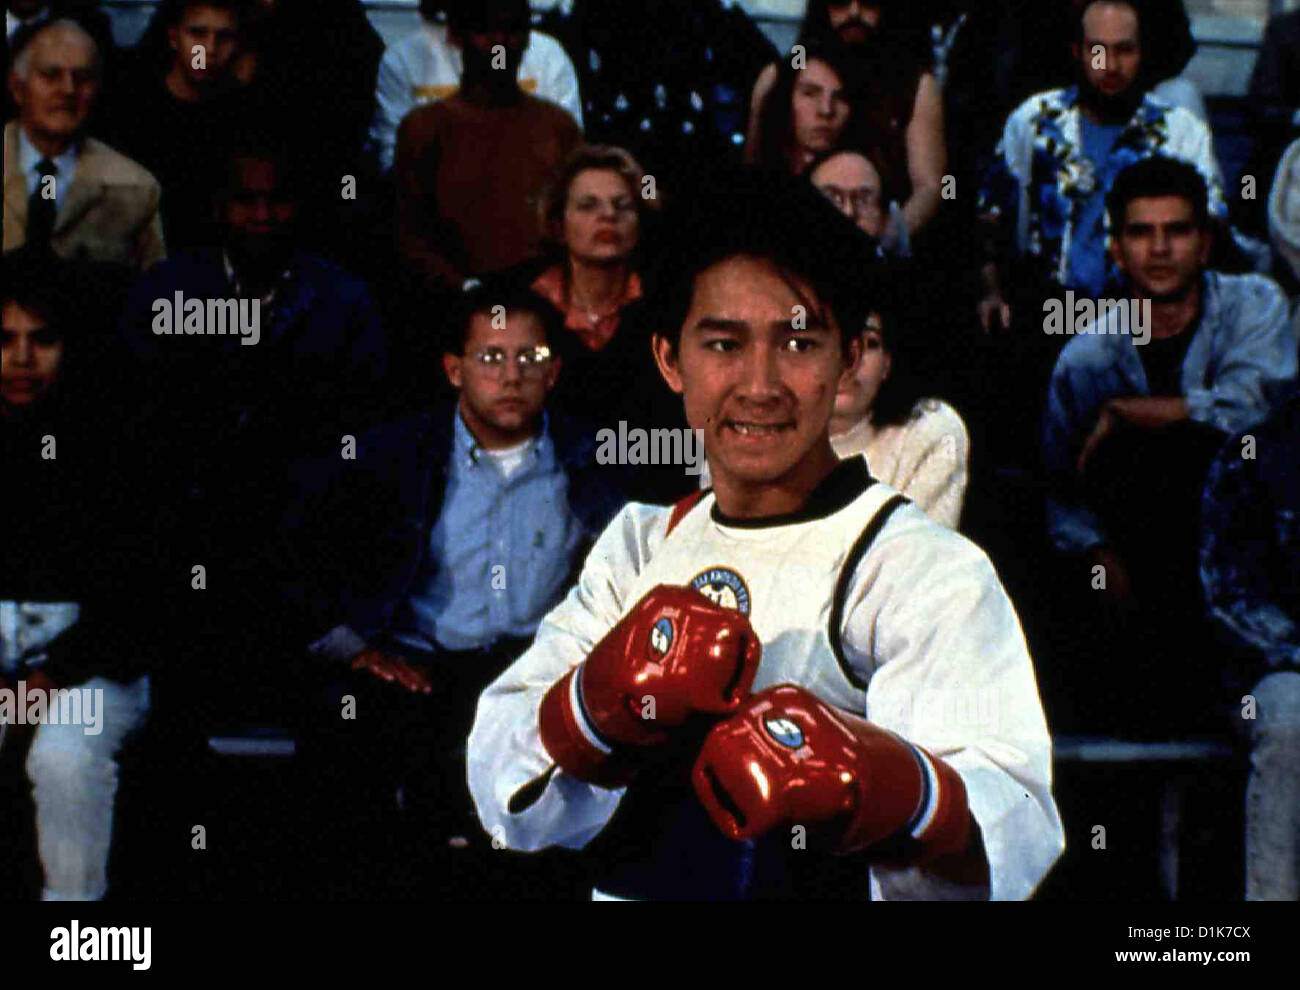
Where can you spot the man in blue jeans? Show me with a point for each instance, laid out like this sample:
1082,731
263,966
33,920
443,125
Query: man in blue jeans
430,556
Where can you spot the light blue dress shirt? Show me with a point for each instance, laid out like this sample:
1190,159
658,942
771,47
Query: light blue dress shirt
500,552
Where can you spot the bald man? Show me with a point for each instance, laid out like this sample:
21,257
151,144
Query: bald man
62,187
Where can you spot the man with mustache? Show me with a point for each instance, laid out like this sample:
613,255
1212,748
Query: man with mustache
1042,204
1061,149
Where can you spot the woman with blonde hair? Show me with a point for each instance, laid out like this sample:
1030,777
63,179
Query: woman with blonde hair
592,220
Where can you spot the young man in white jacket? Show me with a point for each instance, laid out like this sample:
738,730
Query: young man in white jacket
792,683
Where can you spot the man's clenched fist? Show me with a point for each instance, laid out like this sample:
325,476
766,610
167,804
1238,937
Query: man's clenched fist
786,758
675,654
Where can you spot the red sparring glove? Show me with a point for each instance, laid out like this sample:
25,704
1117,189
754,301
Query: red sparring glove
786,758
675,646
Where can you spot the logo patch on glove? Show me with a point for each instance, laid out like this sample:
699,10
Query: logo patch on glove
784,731
724,587
661,637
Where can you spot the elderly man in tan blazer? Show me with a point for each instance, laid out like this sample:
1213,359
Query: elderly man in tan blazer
62,187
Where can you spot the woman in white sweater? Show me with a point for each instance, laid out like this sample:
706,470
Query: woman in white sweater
915,444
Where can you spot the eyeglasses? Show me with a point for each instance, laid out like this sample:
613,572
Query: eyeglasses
863,199
531,362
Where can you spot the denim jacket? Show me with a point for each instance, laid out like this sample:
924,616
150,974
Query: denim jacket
1239,367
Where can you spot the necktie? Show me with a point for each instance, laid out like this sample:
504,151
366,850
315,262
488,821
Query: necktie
40,211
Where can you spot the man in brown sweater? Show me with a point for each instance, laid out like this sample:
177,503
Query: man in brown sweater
469,169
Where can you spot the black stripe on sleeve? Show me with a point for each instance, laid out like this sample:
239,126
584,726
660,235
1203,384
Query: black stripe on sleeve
859,550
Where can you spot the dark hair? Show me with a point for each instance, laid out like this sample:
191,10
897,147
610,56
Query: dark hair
177,9
81,301
466,15
1157,175
906,383
1164,37
498,291
41,282
766,214
260,146
903,23
776,116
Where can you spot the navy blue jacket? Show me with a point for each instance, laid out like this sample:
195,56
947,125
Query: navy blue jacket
357,535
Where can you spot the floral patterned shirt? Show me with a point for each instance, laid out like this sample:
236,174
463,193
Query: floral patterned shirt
1041,178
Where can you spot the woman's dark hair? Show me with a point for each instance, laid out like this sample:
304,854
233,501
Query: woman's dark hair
37,280
735,212
906,383
81,302
776,117
1157,175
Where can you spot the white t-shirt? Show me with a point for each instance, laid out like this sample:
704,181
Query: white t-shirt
927,646
510,459
426,66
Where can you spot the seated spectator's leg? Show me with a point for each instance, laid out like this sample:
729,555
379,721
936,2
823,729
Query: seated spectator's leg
1146,487
1273,791
74,781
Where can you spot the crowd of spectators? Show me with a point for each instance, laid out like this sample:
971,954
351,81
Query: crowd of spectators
308,344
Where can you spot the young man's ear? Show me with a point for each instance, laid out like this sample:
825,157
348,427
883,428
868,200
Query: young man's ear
451,366
666,358
174,38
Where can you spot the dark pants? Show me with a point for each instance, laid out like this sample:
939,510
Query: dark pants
1153,670
409,753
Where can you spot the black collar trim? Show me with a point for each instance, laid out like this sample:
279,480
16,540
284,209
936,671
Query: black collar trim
846,482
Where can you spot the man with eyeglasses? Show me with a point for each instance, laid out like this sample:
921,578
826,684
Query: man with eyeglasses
430,559
853,182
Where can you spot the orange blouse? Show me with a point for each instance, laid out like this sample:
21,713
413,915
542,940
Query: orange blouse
593,334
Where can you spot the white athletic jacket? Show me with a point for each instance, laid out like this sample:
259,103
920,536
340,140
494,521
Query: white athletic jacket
861,599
